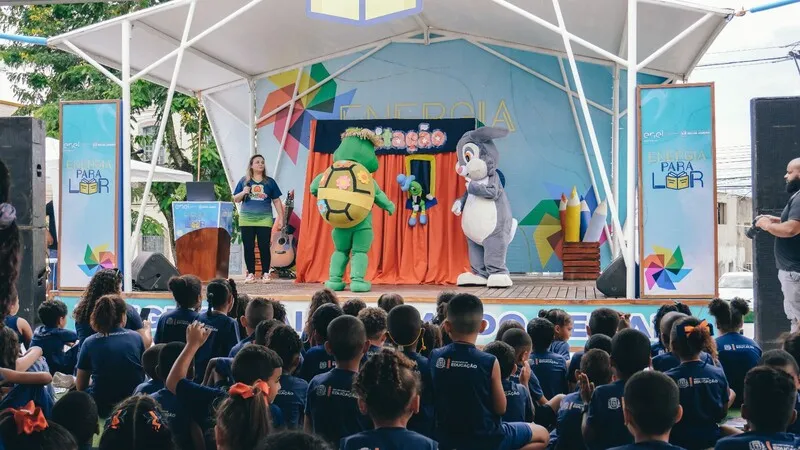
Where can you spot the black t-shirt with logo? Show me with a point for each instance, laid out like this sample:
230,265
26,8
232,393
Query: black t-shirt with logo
787,250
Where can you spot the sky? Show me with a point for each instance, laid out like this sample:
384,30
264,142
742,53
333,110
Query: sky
735,85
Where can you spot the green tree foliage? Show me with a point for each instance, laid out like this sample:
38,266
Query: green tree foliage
42,77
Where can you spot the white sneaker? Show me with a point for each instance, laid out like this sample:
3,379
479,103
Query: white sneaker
265,278
250,279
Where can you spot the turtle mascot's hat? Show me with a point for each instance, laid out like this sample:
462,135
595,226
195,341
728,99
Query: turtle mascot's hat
359,144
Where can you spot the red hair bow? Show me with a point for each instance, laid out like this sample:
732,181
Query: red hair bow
689,329
29,419
245,391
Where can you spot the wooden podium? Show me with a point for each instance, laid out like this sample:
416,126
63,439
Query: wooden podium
203,238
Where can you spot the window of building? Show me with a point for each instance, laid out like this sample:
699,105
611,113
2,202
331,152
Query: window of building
148,139
722,213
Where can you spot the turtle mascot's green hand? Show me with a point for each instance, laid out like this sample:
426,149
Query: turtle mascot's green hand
345,195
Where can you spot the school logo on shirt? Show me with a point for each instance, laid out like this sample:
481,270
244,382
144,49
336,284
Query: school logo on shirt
614,403
729,348
683,383
448,363
440,363
757,445
326,364
322,390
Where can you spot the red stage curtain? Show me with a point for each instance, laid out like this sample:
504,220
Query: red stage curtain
435,253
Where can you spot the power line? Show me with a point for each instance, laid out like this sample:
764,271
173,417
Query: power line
744,62
753,49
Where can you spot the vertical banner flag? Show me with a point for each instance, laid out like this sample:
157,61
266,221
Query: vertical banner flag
90,191
677,191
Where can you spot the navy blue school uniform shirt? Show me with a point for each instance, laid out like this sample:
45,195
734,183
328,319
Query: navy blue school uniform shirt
373,349
200,402
668,361
332,406
224,336
423,421
560,348
650,445
462,386
551,370
568,434
574,366
115,362
248,340
315,362
605,417
656,349
534,387
176,416
52,341
11,322
518,403
737,355
172,325
758,441
388,439
291,399
43,396
132,322
704,398
149,387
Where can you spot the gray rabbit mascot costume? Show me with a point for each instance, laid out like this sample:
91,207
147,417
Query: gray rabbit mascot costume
484,209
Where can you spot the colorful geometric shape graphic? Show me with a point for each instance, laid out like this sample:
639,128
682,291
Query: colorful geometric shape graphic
320,104
96,259
362,12
664,268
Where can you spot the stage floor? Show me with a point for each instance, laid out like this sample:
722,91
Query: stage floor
526,290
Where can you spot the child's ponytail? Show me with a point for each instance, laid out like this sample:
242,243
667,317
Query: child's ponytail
690,336
556,316
137,424
27,428
243,419
108,313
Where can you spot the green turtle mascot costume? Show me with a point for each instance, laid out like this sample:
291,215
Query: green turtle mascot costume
345,195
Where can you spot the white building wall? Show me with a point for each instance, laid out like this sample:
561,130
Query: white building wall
735,252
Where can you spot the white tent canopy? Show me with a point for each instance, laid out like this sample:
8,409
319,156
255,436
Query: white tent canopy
219,48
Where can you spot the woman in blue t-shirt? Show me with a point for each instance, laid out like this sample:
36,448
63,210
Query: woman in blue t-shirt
737,353
111,358
106,282
257,193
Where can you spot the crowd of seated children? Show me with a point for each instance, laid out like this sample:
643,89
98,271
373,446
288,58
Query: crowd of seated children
469,397
602,321
317,359
657,348
596,366
563,330
374,320
737,353
52,337
769,408
704,392
550,368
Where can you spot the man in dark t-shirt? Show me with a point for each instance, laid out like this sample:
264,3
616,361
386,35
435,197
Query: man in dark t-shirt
786,230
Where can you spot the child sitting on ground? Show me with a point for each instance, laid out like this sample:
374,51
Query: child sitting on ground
602,321
258,310
243,418
519,407
264,331
406,332
110,358
154,382
291,397
27,428
353,306
651,407
737,353
27,375
186,290
431,339
469,396
331,406
374,320
137,423
704,393
389,301
187,433
768,407
388,392
321,297
669,360
506,325
77,412
563,330
657,348
596,365
51,337
224,332
783,360
550,368
603,422
20,326
317,360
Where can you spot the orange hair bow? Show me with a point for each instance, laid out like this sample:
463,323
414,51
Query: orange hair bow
245,391
29,419
689,329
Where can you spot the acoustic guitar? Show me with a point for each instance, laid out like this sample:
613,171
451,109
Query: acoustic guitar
283,245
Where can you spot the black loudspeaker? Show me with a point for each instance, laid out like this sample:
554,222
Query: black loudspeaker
152,271
775,140
612,281
22,149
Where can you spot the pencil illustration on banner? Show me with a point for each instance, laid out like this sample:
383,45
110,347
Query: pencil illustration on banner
573,225
562,215
586,216
597,223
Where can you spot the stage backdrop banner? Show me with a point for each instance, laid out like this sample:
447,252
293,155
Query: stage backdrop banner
91,195
677,191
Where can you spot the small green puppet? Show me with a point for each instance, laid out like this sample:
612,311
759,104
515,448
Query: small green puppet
418,201
345,195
